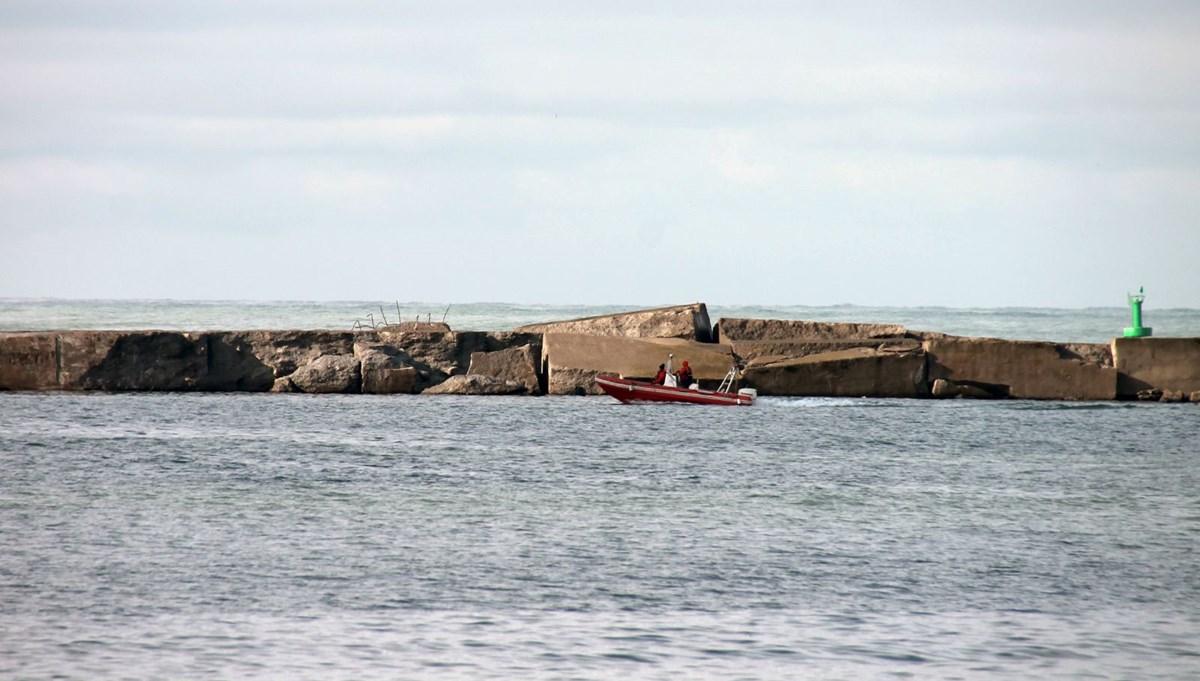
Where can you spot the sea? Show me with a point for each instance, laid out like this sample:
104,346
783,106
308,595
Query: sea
283,536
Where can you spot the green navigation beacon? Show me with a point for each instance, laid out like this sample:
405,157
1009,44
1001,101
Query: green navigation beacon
1135,304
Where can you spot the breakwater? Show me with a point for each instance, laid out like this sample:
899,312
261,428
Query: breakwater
782,357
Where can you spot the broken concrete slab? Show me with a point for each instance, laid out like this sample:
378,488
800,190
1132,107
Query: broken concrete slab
854,372
763,351
943,389
688,322
329,374
385,369
738,329
476,385
1034,370
520,364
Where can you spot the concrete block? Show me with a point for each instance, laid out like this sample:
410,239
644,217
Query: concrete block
943,389
476,385
856,372
1166,364
28,361
1020,369
764,351
284,351
329,374
520,365
133,360
80,352
390,381
689,322
439,355
385,369
737,329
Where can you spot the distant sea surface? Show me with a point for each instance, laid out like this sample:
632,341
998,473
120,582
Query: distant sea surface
1090,325
276,536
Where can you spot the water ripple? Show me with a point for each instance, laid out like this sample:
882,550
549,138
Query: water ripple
561,538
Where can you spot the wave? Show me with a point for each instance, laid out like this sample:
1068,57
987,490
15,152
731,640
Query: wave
777,402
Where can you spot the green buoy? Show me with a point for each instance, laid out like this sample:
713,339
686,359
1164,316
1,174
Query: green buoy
1135,305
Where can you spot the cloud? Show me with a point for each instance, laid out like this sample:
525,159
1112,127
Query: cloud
41,177
348,185
477,130
729,162
290,134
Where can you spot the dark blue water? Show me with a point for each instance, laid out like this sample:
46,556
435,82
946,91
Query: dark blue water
316,537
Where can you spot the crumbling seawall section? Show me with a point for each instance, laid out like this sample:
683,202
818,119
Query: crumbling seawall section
252,361
780,358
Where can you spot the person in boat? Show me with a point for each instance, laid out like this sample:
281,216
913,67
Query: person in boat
685,375
661,376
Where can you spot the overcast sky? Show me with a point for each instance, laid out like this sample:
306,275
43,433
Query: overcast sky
878,153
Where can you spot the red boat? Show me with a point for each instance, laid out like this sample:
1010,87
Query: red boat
627,391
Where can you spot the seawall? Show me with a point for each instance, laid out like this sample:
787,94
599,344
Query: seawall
780,357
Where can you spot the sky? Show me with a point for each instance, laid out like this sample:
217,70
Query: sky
954,153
